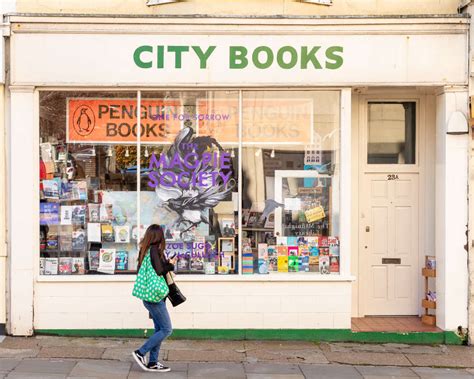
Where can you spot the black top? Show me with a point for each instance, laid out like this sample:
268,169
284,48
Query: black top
161,265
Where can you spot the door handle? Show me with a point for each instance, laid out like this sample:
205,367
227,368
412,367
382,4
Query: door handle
367,229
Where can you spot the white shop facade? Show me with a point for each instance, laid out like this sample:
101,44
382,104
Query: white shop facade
302,169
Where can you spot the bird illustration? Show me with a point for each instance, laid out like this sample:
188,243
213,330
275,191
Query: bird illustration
84,121
270,206
191,203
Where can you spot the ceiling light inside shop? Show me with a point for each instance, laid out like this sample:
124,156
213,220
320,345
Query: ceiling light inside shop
127,153
272,154
110,152
147,154
258,152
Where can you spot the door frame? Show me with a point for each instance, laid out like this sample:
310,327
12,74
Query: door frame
363,168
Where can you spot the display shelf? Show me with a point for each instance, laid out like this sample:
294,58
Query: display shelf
428,319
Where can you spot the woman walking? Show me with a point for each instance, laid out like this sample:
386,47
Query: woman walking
152,248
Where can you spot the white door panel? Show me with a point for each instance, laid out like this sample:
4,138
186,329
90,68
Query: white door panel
389,230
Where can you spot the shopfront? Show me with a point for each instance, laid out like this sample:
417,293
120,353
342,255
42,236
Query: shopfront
291,164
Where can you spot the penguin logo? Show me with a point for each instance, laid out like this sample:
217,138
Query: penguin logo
84,120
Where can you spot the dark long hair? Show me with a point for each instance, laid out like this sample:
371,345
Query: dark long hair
153,236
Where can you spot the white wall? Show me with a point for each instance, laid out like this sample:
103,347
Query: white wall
451,212
210,305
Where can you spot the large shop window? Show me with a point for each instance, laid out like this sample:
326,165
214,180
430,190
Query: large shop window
243,182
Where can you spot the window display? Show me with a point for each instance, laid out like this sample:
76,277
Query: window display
104,180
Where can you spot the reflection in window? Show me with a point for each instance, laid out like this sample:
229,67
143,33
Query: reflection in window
392,133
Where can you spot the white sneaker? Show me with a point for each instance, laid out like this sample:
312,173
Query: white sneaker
157,367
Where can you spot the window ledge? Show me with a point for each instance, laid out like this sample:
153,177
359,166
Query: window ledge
303,277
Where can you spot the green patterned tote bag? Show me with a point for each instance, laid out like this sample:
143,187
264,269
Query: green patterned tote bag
149,286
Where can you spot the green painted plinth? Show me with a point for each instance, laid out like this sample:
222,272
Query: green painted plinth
316,335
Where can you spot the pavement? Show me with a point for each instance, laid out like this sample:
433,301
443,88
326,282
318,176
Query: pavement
75,357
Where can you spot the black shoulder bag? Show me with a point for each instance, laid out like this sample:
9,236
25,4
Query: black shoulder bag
175,296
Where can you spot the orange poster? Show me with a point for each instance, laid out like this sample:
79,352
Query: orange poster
264,120
115,120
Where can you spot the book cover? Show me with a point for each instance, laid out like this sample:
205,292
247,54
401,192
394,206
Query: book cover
78,266
79,190
182,263
334,250
281,240
303,250
106,212
262,266
65,266
122,234
51,266
273,263
79,240
271,240
293,251
121,260
94,212
302,240
107,261
323,241
270,221
313,250
333,241
324,264
196,264
78,214
66,215
292,263
304,266
282,250
226,260
66,191
93,260
262,251
52,240
314,260
52,188
292,241
93,232
107,233
334,265
49,213
313,241
314,268
324,251
283,263
65,239
209,268
41,265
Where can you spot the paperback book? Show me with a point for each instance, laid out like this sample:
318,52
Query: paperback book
292,263
52,240
334,265
52,188
293,251
41,265
65,239
94,212
93,257
79,240
262,266
78,266
79,190
65,265
283,263
51,266
262,251
324,265
209,268
107,233
122,234
93,232
106,261
292,241
78,214
49,213
121,260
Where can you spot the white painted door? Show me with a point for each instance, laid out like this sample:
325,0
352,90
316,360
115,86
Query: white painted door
389,243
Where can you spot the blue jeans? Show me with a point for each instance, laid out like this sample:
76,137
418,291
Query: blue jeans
163,329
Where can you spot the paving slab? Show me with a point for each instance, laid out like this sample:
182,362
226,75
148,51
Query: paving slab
71,352
286,356
8,364
205,356
47,366
100,369
18,353
384,348
168,375
272,368
203,345
280,345
330,372
19,343
125,354
373,359
373,372
23,375
174,366
452,359
440,373
219,370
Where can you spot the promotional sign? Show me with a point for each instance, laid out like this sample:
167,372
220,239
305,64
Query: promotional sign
279,120
115,120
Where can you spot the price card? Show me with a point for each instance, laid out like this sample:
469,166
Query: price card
315,214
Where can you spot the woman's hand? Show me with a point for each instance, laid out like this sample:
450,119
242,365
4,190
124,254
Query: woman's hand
173,260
